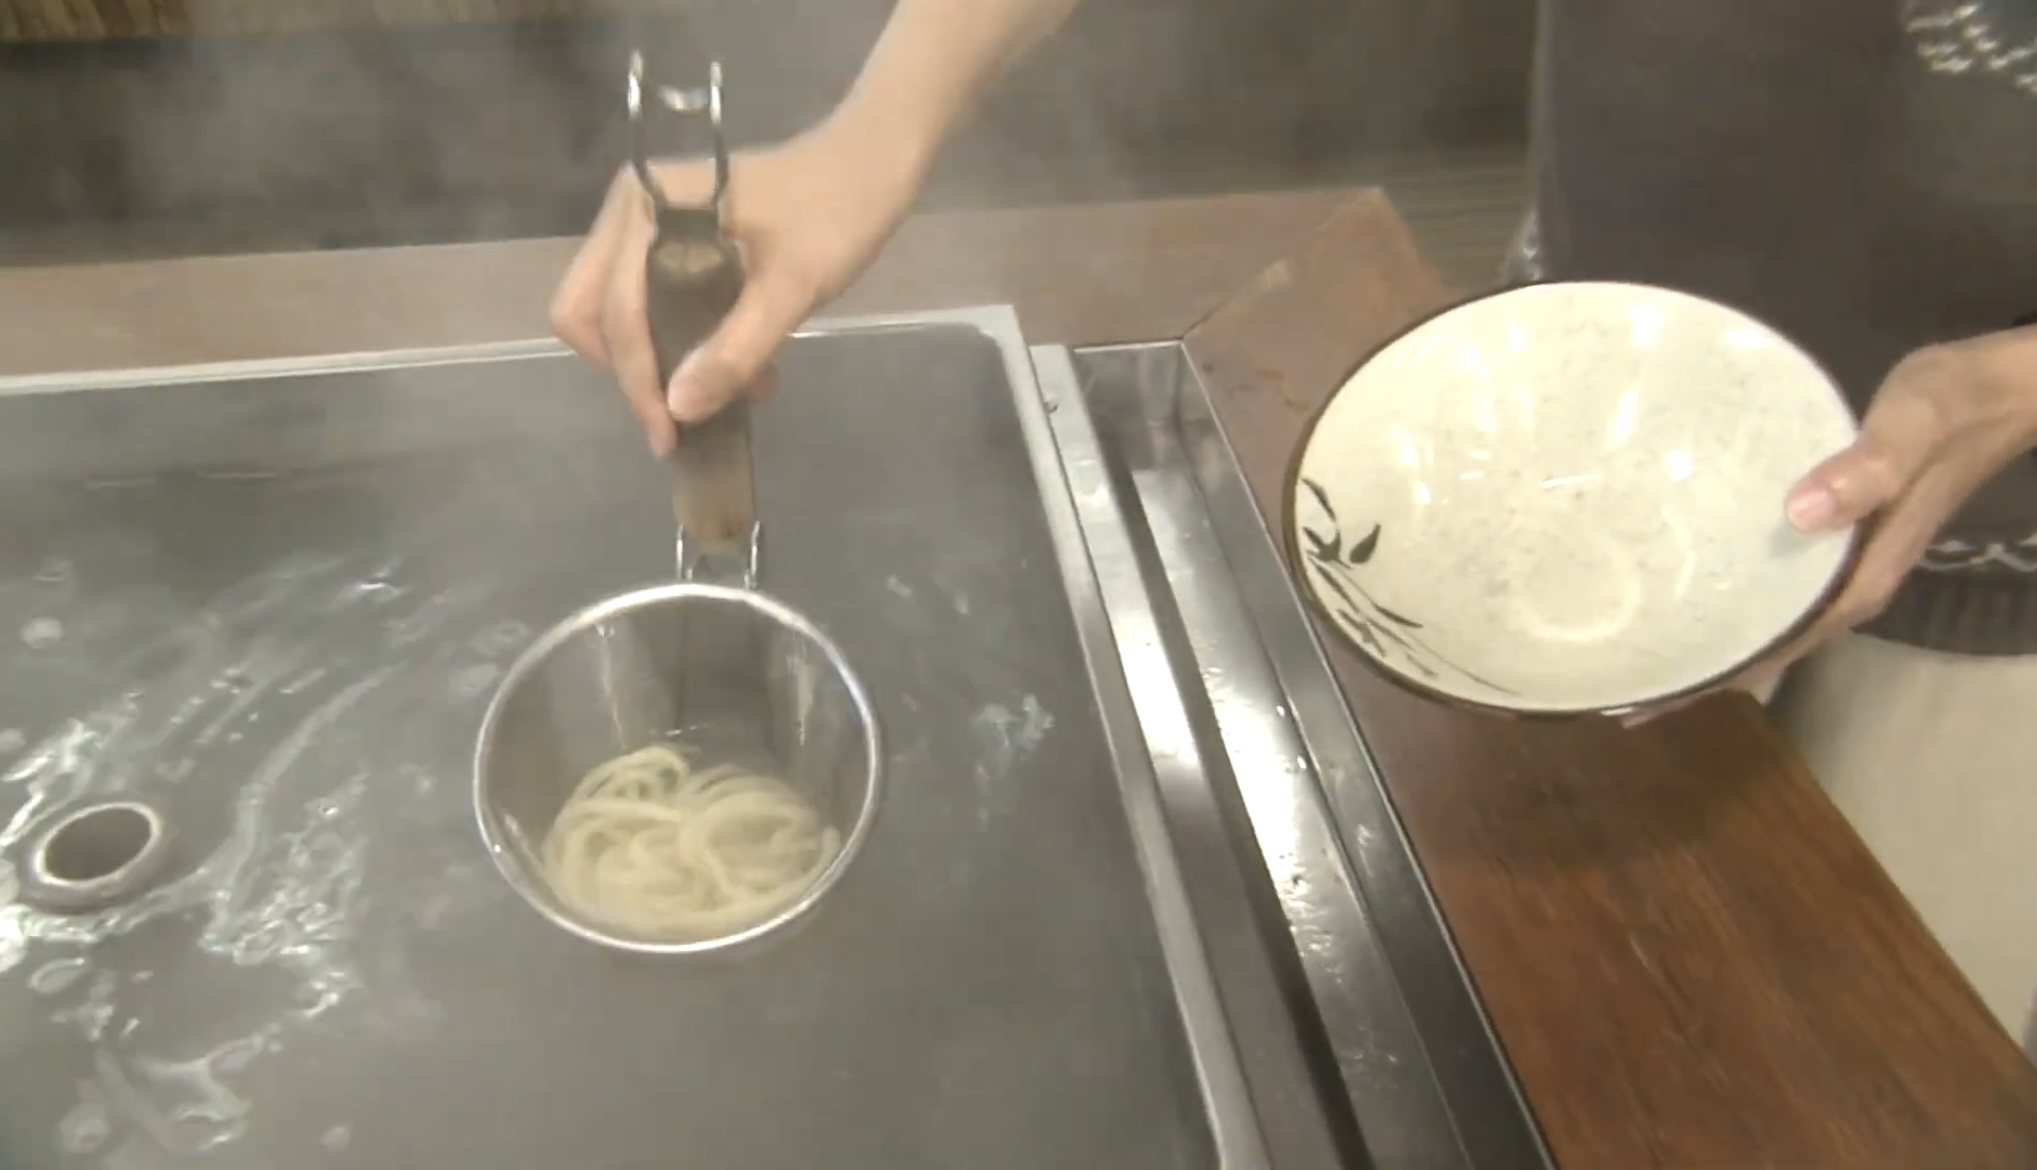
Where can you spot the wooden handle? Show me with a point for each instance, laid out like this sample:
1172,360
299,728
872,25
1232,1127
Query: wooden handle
690,283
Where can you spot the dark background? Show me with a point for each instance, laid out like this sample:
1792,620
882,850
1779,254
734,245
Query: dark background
153,127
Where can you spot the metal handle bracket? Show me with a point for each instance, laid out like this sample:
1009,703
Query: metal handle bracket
692,278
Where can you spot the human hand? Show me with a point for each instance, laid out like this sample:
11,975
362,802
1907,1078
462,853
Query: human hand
1945,421
807,217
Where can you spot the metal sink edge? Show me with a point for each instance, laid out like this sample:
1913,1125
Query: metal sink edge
1422,1072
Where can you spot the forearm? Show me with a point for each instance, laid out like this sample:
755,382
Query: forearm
937,58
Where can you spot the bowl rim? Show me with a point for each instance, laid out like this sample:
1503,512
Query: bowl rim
507,859
1290,488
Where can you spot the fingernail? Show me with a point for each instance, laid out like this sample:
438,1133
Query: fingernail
1812,509
661,443
686,396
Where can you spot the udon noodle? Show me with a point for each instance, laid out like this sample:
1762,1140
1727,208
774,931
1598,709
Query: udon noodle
651,845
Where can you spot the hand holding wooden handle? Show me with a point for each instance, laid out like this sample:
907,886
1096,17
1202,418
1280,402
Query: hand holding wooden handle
692,280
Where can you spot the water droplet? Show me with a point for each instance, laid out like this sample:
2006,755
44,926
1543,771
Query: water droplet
84,1129
474,681
303,681
42,633
337,1138
501,638
56,975
422,782
13,937
54,571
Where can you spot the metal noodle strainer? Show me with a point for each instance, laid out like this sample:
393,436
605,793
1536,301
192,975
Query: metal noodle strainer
710,660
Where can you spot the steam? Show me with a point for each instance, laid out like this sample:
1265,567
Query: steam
384,128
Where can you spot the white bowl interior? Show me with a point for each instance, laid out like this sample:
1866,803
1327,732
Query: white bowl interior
1569,497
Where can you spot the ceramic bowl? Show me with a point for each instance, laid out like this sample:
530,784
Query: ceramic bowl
1567,498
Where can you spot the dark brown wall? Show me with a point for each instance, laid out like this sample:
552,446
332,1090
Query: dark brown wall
486,129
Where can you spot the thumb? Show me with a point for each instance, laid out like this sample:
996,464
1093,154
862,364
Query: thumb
738,353
1902,432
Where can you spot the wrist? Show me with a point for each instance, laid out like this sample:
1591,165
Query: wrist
2005,365
891,129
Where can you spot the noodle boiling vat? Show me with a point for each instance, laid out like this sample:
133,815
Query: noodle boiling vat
270,603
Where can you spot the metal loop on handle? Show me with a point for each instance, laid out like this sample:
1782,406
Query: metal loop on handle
698,563
692,278
641,95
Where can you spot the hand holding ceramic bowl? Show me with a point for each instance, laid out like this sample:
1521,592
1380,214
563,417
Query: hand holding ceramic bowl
1568,498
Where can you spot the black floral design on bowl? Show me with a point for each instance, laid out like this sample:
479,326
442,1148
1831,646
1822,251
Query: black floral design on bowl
1390,636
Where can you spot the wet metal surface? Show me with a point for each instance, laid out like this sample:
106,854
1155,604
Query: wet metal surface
273,609
1246,936
1279,756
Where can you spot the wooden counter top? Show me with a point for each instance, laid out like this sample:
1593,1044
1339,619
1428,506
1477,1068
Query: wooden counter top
1689,957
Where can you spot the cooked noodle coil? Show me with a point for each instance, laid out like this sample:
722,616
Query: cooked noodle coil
650,845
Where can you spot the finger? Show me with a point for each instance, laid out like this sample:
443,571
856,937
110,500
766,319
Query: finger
1903,430
739,353
578,304
1864,595
1911,469
626,330
1903,534
1894,545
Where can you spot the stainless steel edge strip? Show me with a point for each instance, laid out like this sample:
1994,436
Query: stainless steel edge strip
986,318
1296,1092
1492,1117
1113,642
1379,1051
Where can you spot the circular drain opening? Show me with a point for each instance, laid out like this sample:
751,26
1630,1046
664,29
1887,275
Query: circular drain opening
97,856
97,843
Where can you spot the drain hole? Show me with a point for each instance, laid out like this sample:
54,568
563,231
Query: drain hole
97,856
97,843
